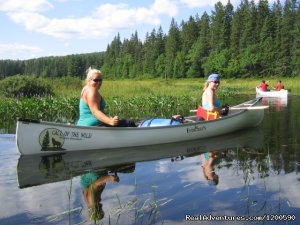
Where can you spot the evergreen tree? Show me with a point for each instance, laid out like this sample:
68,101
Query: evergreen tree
266,53
151,53
237,27
228,17
295,63
286,44
46,140
173,46
249,35
217,28
277,14
189,35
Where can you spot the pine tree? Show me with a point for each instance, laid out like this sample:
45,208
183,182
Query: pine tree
295,63
286,44
173,46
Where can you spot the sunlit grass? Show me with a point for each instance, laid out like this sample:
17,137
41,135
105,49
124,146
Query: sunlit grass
135,99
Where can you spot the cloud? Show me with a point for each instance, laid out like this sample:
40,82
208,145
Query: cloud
205,3
102,22
27,6
197,3
11,50
32,21
169,7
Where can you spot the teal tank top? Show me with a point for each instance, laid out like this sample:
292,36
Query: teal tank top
217,104
87,179
86,117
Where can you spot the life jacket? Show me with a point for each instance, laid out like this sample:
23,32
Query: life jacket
207,115
263,87
279,87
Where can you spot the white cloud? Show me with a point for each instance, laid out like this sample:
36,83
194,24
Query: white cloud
205,3
28,6
169,7
32,21
197,3
10,50
102,22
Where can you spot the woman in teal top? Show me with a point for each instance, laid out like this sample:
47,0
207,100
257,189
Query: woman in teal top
86,117
209,100
92,105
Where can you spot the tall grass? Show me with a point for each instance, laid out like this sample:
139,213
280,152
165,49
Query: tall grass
135,99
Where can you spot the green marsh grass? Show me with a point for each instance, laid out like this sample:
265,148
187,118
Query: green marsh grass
135,99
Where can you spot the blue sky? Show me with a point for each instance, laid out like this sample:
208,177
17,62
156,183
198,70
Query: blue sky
36,28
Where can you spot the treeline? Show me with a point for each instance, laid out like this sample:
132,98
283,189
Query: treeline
254,40
58,66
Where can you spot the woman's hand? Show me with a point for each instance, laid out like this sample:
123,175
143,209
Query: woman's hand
114,121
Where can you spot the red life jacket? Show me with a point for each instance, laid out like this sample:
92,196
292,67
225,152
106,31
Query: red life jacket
279,86
263,87
207,115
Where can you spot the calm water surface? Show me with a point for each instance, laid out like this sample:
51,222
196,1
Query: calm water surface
251,174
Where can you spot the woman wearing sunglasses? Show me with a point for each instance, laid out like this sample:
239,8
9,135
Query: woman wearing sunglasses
92,105
209,99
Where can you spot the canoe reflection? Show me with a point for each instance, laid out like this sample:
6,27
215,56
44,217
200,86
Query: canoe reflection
42,169
277,102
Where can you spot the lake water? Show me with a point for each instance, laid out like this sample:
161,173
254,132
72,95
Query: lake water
248,177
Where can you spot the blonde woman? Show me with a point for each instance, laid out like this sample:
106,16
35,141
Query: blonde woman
92,105
209,99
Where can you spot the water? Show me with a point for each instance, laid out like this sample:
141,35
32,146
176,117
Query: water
255,171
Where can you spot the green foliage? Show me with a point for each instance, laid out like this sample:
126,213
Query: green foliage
25,86
49,108
254,40
216,62
128,98
143,107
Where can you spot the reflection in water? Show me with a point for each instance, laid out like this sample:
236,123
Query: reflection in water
93,184
208,160
50,165
279,103
157,184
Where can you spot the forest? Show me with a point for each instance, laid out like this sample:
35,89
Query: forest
253,40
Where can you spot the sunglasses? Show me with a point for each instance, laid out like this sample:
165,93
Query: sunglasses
216,82
97,80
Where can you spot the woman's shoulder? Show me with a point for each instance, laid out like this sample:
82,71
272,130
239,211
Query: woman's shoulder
90,91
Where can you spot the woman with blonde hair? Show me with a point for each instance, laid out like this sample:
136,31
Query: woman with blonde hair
209,99
92,105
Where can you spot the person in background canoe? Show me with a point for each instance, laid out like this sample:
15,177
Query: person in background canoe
92,185
263,85
92,105
279,86
209,99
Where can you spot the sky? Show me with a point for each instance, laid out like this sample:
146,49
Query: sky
38,28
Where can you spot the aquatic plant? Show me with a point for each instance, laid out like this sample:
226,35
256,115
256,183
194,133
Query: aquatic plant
25,86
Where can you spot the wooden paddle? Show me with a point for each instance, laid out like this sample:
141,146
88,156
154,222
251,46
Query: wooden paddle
240,108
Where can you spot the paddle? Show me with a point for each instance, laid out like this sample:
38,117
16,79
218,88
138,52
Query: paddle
239,108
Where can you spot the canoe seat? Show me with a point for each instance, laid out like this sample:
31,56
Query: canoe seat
206,115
